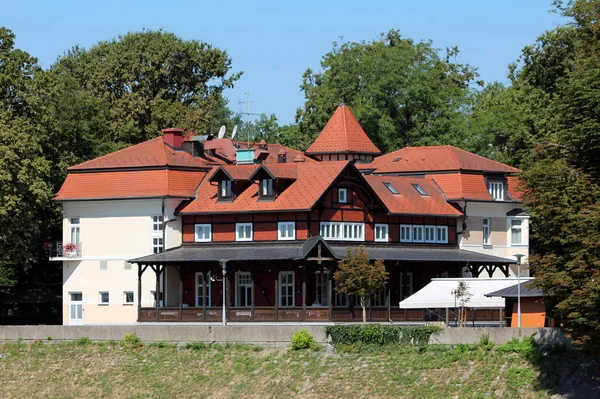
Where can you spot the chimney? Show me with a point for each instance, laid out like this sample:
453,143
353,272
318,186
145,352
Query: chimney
173,137
281,156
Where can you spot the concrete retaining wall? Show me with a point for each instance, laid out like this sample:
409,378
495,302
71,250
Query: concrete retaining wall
266,335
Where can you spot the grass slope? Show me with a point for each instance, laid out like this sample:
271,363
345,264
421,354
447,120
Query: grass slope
128,370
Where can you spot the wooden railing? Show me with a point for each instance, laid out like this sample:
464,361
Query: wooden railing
339,314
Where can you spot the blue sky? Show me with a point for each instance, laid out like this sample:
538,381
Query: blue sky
274,42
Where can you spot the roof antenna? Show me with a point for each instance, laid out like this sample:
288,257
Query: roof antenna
343,103
248,104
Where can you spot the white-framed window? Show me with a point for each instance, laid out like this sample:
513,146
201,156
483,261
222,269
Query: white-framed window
442,234
128,298
516,231
322,289
354,231
243,289
286,230
76,308
199,299
331,230
286,289
417,234
342,195
485,229
75,231
430,234
157,234
225,189
266,188
381,232
496,190
347,231
103,298
203,232
243,231
405,233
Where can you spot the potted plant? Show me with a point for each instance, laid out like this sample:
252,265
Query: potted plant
70,249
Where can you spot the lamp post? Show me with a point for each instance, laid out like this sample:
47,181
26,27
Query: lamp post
224,280
519,256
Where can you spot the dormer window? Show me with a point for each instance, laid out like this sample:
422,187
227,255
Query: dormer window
496,190
266,188
225,191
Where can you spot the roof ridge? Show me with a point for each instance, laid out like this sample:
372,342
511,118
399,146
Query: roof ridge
345,124
111,154
482,157
458,165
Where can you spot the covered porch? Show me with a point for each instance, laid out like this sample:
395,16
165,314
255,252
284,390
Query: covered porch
291,282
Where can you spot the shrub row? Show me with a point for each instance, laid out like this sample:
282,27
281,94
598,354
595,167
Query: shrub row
380,334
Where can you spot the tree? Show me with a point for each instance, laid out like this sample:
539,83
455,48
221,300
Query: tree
463,296
402,93
151,80
356,275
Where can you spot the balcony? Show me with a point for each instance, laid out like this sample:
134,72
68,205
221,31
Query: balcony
59,251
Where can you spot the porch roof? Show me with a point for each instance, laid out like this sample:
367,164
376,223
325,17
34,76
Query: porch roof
298,250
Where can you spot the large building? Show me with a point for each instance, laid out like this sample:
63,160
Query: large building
194,228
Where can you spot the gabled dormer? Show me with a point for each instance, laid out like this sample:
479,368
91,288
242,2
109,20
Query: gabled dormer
232,180
274,179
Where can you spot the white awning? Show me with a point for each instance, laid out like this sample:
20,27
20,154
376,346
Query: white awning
438,293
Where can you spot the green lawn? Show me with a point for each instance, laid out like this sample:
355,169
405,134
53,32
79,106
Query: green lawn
94,370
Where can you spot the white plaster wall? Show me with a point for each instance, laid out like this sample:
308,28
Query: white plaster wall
114,231
472,238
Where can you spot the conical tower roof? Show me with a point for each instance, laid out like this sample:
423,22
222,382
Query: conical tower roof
343,135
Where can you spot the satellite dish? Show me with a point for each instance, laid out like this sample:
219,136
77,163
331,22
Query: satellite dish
234,132
221,132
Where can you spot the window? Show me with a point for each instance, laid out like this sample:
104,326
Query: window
157,234
354,231
406,285
266,188
405,233
202,284
442,234
203,232
417,233
381,232
419,189
75,231
225,191
516,232
286,289
104,265
243,231
391,188
379,299
322,290
343,231
104,297
486,231
127,265
342,195
496,190
429,233
128,298
243,289
286,231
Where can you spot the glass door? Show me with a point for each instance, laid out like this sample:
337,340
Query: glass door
76,309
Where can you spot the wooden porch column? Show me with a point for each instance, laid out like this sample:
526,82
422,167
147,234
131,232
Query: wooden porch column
304,291
140,272
204,277
252,277
157,271
180,273
277,293
330,293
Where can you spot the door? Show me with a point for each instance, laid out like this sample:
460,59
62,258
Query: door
243,291
406,285
76,309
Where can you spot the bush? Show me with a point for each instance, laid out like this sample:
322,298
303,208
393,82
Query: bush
84,341
132,341
378,334
197,346
303,340
527,348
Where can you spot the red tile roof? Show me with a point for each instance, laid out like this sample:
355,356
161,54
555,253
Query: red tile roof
409,200
458,186
434,159
343,134
236,172
282,170
313,180
151,153
514,189
130,184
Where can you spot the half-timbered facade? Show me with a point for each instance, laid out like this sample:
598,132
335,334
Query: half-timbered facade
255,232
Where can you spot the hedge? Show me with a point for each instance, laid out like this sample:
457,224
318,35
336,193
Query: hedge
380,334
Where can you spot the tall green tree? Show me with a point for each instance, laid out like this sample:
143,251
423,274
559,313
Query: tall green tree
151,80
402,93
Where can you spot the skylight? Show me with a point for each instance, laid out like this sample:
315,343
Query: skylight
397,159
391,188
419,189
